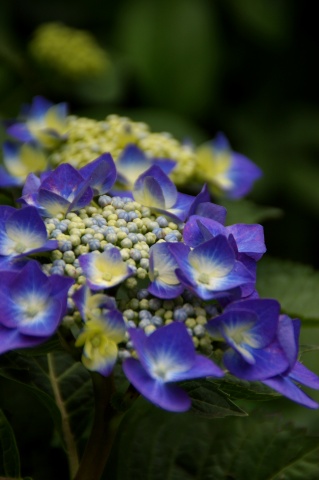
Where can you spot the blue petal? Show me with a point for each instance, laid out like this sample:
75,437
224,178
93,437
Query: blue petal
101,174
149,193
301,374
11,339
267,312
287,388
168,397
165,291
167,186
269,362
180,208
166,351
131,164
249,239
20,132
202,367
197,230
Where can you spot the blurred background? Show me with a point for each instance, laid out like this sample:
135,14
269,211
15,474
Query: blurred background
247,68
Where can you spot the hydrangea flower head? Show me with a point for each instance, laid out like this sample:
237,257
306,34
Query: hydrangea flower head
31,306
43,122
166,356
227,172
19,161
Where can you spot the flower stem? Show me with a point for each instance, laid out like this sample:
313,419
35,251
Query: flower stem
103,430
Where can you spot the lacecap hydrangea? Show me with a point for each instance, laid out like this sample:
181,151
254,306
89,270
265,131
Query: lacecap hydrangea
111,257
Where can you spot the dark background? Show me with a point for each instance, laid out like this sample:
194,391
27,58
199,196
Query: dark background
247,68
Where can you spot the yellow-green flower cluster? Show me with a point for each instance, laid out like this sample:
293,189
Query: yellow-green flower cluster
88,138
70,52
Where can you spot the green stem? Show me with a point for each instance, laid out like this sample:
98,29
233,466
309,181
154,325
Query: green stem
67,434
103,431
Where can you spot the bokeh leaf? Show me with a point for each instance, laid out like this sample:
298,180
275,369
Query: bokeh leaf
209,401
246,211
63,385
293,284
9,454
153,444
173,51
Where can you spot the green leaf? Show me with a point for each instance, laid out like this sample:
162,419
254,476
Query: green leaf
63,385
246,211
9,455
153,444
209,401
243,390
293,284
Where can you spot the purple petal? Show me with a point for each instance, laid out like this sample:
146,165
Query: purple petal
169,397
165,291
180,209
20,132
243,173
101,174
269,362
202,367
202,197
11,339
301,374
168,188
287,388
198,230
249,239
165,164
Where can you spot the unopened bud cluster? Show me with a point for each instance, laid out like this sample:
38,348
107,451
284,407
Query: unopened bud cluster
70,52
88,138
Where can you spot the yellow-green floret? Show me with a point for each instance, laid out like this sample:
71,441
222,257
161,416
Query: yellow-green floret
70,52
88,138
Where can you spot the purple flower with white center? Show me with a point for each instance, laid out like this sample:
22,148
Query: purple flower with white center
32,306
60,191
285,383
250,327
43,122
22,233
155,190
162,266
210,270
166,356
100,173
227,172
104,270
19,161
133,162
249,238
